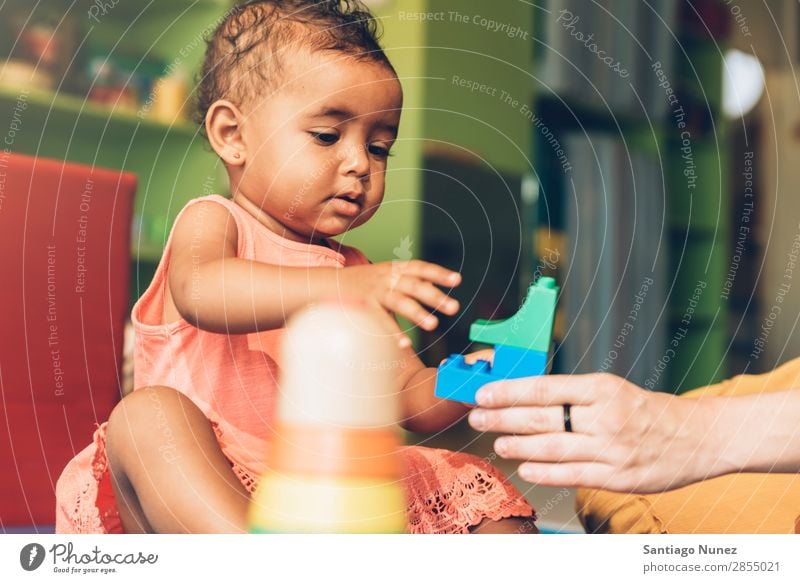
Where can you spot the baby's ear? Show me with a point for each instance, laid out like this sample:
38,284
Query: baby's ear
224,131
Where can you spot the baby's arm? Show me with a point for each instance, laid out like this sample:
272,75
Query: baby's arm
423,412
215,290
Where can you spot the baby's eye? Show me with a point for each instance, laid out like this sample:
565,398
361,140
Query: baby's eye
325,138
379,151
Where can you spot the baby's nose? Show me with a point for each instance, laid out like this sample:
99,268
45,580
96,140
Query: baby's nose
356,161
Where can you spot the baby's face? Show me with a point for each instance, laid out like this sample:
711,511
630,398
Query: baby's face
317,148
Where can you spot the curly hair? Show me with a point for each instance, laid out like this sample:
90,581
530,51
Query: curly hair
246,50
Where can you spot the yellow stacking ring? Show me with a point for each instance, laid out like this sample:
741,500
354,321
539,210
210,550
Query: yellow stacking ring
346,505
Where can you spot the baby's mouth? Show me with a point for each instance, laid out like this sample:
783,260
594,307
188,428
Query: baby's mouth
356,198
347,204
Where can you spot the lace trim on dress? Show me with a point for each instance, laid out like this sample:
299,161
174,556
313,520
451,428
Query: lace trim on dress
465,490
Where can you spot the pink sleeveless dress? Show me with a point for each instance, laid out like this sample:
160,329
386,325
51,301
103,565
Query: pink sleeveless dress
233,380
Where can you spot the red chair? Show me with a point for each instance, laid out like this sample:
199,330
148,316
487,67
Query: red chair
65,262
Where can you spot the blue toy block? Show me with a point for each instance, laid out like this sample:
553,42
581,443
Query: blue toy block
458,381
511,362
521,345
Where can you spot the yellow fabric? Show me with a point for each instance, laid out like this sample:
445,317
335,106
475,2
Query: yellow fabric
737,503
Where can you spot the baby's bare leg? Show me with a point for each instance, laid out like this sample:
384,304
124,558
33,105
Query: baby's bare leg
513,525
168,471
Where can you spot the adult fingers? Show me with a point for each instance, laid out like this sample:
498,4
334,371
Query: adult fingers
568,475
525,420
550,447
539,391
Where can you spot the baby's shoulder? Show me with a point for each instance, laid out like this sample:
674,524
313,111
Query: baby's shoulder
207,220
206,210
212,204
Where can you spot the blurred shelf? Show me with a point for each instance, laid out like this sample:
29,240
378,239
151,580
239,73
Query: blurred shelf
571,112
62,106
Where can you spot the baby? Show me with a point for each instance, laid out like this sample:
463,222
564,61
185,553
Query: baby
303,107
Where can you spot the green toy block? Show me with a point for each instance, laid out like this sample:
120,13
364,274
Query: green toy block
531,328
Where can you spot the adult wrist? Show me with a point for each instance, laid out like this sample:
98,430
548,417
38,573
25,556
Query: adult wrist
718,448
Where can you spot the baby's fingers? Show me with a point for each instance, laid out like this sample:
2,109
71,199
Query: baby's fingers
411,310
428,294
430,272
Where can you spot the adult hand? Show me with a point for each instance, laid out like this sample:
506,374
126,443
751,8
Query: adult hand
623,438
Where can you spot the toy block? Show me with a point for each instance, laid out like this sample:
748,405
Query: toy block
521,346
531,328
458,381
513,363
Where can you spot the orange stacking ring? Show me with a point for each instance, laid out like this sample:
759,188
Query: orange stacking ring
335,451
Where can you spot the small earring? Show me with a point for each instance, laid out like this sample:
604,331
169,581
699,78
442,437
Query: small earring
237,155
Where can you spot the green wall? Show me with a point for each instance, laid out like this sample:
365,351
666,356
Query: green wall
464,46
399,216
440,115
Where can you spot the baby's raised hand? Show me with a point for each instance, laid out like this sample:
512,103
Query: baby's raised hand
403,287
